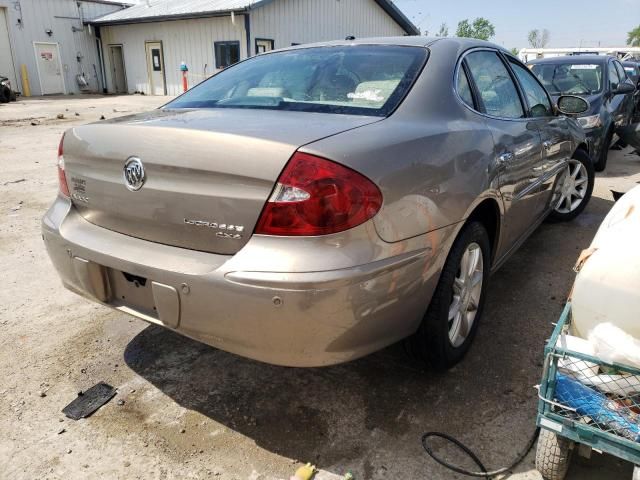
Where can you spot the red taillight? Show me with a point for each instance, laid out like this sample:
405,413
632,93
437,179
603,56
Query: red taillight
62,178
315,196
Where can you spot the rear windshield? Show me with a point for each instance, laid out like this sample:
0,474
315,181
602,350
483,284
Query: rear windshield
356,80
563,79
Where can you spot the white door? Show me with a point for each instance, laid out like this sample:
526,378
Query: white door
6,59
155,66
49,67
117,69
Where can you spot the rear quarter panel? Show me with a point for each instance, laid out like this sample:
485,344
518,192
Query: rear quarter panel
433,159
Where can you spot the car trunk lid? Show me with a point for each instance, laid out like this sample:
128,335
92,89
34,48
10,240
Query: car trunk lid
207,173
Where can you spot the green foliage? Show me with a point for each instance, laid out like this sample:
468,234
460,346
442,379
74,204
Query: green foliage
515,51
444,31
633,37
481,28
538,38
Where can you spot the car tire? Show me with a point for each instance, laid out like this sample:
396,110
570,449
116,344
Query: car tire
13,96
435,343
553,455
601,164
564,210
5,94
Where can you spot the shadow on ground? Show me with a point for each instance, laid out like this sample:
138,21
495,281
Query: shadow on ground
370,413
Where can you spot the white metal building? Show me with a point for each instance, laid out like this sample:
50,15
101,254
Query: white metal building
54,42
144,45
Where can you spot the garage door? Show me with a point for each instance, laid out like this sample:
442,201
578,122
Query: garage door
6,60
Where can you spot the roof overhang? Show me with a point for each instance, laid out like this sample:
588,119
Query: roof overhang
387,5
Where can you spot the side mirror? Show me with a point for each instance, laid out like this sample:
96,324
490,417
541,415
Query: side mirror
572,105
624,87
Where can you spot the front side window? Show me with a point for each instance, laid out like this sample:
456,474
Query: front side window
569,78
497,91
539,104
227,53
614,79
360,80
621,73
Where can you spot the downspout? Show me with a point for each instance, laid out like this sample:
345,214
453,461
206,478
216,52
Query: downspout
247,31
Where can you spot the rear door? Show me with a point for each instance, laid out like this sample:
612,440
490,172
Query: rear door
554,132
518,146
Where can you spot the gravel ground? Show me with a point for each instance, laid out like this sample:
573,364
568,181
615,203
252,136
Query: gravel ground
185,410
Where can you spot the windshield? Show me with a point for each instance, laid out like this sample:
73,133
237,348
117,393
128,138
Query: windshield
359,80
564,79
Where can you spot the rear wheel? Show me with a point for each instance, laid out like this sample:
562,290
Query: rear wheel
553,455
575,187
452,318
601,164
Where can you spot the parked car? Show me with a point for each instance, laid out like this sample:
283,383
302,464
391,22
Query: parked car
309,206
6,93
633,72
603,82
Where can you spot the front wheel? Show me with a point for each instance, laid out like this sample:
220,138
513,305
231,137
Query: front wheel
574,188
452,318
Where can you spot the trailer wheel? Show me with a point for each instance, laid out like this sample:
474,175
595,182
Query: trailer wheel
553,455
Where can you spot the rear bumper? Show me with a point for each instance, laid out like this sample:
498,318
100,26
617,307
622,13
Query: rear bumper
292,318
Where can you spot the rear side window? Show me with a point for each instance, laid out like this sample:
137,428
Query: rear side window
496,88
539,104
464,89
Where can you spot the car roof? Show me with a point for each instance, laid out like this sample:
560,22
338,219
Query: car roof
631,63
571,60
418,41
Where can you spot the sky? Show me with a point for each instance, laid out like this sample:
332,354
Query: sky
571,23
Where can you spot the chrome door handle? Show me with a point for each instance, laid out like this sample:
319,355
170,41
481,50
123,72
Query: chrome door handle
505,158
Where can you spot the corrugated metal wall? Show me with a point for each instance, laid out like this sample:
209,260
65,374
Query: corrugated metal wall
306,21
59,16
189,41
284,21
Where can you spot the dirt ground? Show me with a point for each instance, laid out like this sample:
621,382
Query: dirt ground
190,411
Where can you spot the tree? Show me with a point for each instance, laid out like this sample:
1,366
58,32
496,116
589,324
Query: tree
481,28
633,37
444,31
538,38
515,51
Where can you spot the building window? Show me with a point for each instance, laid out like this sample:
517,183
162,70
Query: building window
226,53
264,45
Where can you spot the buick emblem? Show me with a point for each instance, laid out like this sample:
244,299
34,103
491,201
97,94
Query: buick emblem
134,176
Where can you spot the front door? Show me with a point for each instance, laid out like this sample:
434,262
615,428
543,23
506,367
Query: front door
518,146
117,69
49,68
155,67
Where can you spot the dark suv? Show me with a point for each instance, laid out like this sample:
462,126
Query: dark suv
602,81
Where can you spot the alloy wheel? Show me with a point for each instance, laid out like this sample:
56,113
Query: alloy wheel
467,289
573,187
